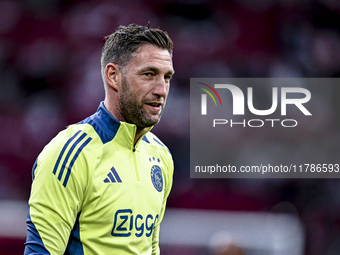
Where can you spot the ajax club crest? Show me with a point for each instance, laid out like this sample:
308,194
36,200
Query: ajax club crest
157,178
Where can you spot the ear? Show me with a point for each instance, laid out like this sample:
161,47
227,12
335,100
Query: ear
112,74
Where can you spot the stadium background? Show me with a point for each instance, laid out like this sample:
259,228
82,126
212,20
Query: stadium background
50,78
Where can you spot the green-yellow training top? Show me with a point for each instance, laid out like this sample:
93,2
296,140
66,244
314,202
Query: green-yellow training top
94,192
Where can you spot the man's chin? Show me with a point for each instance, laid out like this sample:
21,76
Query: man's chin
150,121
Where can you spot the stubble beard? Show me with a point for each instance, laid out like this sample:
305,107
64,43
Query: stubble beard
131,110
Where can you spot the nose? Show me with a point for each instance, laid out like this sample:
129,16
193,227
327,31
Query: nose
162,88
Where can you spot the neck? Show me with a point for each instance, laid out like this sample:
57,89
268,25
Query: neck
139,133
111,108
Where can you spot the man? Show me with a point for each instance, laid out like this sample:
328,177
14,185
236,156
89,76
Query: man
100,186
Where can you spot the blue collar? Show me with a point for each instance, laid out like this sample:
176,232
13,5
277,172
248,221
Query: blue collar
103,123
106,126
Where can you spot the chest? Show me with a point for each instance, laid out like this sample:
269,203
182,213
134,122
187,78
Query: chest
126,180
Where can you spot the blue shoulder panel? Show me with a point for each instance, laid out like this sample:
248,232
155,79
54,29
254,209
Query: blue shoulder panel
145,139
160,143
105,125
34,244
34,167
74,245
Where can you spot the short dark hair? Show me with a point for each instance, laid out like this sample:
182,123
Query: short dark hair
124,42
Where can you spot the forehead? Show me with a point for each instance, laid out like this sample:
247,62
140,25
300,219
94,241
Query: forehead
151,55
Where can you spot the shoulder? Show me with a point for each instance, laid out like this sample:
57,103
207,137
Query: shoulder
155,141
77,143
76,136
69,156
85,137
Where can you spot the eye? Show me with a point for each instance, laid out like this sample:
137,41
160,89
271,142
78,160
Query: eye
148,74
167,77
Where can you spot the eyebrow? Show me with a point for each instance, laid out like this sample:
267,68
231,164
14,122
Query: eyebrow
156,70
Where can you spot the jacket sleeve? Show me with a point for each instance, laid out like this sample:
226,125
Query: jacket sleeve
168,176
56,196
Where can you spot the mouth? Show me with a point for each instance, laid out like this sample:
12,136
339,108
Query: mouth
155,106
